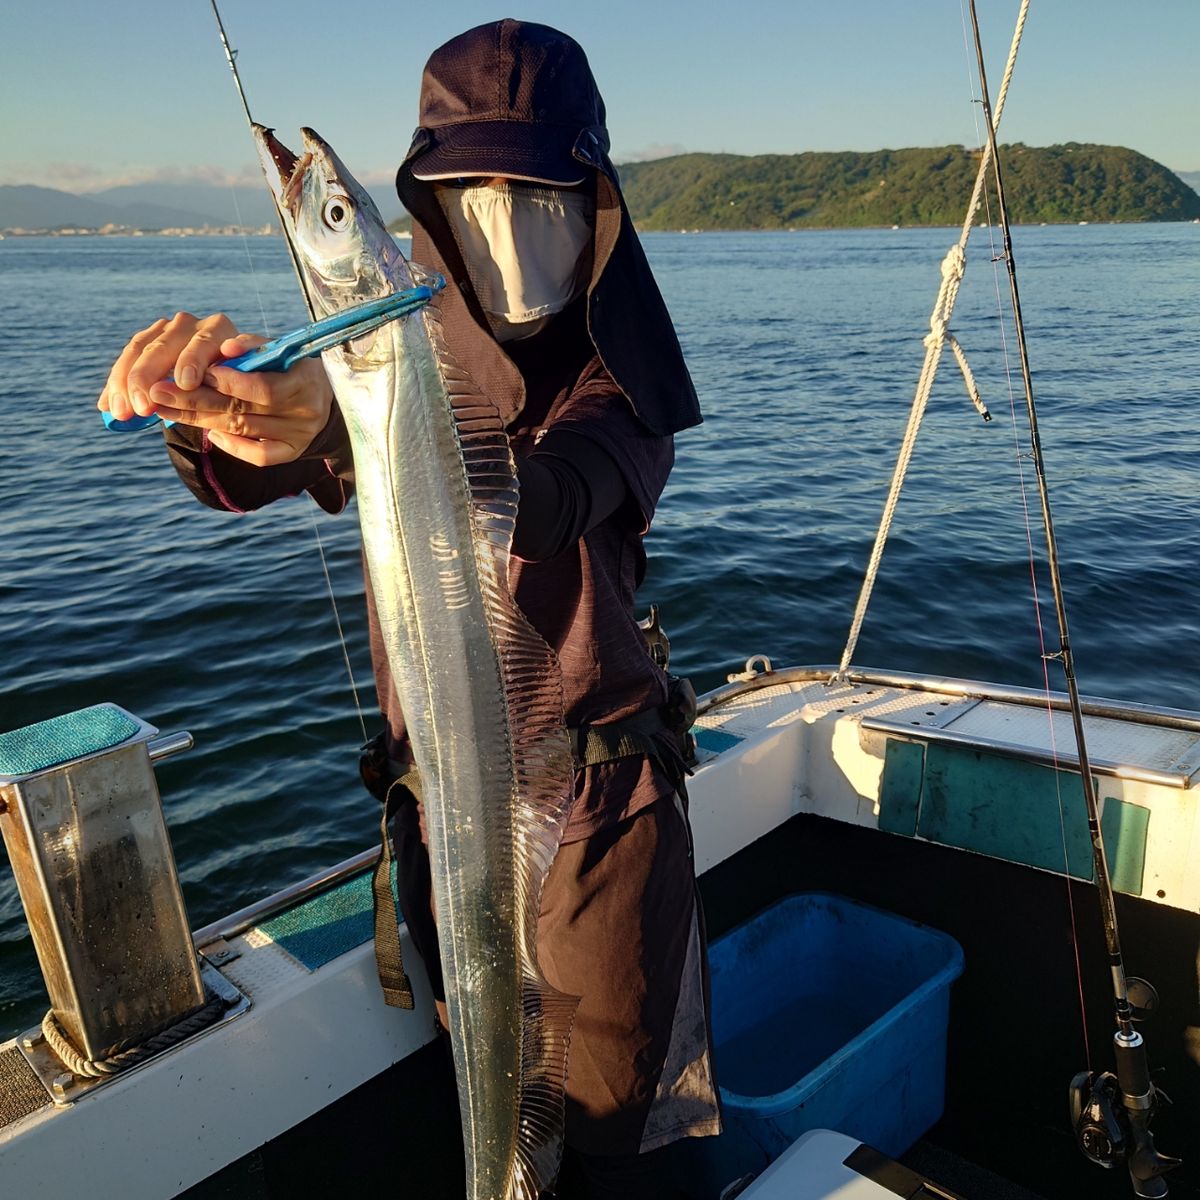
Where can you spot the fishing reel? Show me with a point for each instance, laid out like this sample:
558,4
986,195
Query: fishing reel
1108,1132
1111,1113
1102,1135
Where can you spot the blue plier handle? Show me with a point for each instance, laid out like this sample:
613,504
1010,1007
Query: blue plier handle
289,348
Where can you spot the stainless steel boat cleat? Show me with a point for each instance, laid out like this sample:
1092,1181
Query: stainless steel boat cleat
84,829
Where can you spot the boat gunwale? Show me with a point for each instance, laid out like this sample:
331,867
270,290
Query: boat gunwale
1172,718
1116,710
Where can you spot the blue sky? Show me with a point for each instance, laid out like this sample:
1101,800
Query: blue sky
98,94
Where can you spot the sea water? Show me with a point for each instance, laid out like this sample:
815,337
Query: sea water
805,348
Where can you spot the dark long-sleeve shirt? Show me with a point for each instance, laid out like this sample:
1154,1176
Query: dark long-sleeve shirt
590,477
568,484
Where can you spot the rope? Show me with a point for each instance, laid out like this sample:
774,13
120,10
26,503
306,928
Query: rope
164,1039
953,269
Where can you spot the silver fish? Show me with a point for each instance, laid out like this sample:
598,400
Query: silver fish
481,692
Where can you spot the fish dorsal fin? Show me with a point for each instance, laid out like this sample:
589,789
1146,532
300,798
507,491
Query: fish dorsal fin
543,770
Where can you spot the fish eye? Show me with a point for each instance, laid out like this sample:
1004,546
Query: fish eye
337,212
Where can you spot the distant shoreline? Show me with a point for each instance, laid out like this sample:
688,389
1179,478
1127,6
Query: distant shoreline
259,232
182,231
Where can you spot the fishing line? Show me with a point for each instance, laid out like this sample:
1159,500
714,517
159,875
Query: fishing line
262,308
337,620
1064,654
1019,454
231,59
1044,655
268,329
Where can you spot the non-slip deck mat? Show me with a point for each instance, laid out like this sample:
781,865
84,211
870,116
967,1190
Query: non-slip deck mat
328,925
60,739
21,1092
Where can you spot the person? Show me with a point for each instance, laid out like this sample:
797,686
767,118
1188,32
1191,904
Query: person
551,305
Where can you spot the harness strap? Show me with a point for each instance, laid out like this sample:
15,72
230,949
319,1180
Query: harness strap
397,989
397,783
659,733
592,744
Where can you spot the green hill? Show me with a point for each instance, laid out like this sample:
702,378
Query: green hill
1069,183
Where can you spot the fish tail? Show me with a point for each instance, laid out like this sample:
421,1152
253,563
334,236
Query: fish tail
545,1039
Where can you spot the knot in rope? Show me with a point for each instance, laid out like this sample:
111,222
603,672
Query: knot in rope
954,267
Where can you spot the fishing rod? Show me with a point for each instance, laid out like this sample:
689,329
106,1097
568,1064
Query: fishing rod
231,59
309,304
1111,1113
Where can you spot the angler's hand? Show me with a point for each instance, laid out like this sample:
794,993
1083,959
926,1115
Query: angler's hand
264,418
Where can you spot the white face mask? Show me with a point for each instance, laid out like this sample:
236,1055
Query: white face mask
526,249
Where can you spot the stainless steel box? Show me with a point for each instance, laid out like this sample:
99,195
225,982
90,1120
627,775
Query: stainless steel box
85,833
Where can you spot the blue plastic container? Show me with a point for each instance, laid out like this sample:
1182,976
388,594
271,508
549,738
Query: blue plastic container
828,1014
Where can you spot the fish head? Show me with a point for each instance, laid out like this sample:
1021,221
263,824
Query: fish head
341,246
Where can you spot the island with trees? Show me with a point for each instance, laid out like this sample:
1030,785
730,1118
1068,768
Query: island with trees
1071,183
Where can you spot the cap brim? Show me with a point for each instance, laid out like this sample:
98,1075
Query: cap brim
513,149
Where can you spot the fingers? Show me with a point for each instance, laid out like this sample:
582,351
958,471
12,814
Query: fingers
184,346
172,368
215,398
298,394
232,347
301,396
281,393
264,418
114,396
188,346
206,409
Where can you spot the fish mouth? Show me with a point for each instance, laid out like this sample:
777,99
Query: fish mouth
288,179
334,267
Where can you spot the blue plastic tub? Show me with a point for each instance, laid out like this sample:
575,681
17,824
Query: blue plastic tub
828,1014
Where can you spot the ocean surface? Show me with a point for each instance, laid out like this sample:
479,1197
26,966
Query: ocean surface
805,348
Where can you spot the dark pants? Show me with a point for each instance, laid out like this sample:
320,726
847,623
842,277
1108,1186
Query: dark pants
616,1177
617,929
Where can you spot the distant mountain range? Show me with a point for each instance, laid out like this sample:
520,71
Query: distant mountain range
149,206
1069,183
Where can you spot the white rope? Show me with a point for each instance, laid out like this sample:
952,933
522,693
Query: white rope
126,1055
953,268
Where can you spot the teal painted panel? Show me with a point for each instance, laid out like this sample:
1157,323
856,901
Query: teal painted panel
900,787
1125,828
714,740
1027,813
1005,808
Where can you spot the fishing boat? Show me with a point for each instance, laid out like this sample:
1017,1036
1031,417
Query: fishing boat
905,880
920,798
